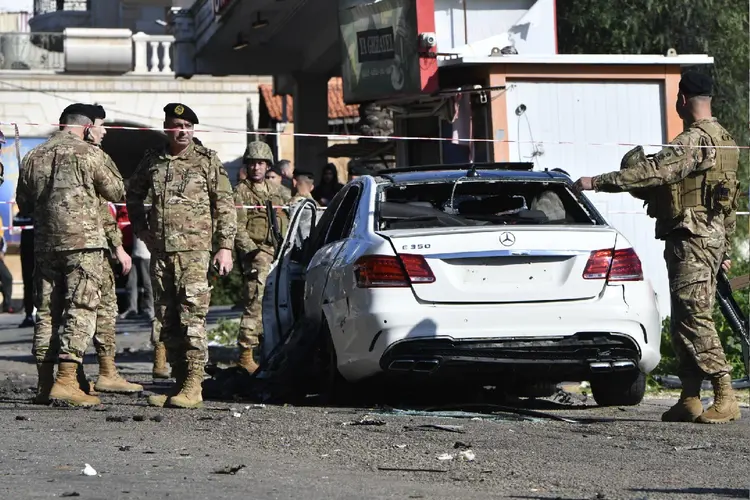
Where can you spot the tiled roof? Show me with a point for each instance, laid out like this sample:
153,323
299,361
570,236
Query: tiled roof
337,109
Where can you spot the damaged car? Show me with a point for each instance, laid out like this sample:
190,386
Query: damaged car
477,275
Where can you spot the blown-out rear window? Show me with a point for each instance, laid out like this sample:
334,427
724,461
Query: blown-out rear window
479,203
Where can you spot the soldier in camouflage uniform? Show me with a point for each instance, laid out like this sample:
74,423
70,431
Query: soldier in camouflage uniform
691,189
255,244
191,196
62,182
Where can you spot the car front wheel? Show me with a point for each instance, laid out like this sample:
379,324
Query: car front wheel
619,389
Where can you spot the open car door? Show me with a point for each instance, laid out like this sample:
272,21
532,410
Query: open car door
286,280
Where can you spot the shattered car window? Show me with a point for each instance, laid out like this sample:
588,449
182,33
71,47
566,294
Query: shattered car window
478,203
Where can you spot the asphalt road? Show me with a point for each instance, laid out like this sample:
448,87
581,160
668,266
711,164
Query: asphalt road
241,450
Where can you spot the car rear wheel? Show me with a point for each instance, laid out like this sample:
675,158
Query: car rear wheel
335,389
619,389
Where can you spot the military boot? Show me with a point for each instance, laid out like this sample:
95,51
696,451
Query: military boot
247,361
179,371
83,382
191,393
110,380
66,387
725,407
46,372
160,369
688,407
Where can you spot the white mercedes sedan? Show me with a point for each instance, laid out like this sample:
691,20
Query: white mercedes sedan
484,275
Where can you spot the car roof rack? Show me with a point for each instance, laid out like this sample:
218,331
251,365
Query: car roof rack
523,166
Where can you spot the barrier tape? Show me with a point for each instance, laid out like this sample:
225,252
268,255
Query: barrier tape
384,138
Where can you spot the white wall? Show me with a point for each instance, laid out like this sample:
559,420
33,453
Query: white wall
596,112
220,103
529,25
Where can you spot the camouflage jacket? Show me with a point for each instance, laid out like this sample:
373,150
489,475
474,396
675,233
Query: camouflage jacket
648,174
112,232
62,183
190,195
252,223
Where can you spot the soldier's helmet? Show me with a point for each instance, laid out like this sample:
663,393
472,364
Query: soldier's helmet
258,150
633,157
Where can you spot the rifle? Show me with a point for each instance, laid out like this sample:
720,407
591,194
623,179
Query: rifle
734,316
273,222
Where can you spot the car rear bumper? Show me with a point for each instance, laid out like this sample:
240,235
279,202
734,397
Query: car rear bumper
395,334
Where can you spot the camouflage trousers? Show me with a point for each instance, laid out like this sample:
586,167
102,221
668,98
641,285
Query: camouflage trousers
67,294
251,324
181,299
46,333
692,265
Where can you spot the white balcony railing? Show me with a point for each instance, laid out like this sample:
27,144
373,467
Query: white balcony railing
152,54
88,50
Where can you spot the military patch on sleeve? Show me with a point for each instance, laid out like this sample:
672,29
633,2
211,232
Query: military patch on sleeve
678,150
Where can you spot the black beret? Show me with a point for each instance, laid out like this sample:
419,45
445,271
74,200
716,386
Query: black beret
98,111
78,108
302,173
275,170
694,84
177,110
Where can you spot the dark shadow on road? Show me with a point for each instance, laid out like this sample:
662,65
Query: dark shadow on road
714,492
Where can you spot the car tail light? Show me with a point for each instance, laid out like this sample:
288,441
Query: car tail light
614,265
384,271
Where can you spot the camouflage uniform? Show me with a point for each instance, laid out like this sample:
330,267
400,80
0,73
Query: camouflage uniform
696,227
46,344
690,187
255,244
61,183
255,249
190,193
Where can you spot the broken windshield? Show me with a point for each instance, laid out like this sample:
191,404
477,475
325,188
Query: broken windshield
478,203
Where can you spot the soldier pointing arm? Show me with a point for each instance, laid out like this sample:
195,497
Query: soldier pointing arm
691,189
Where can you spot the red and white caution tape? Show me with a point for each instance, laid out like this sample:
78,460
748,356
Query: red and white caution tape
356,137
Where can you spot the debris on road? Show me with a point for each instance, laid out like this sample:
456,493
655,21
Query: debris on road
231,470
116,418
467,456
139,418
459,444
88,470
124,448
157,418
694,447
22,417
408,469
366,420
447,428
70,494
445,456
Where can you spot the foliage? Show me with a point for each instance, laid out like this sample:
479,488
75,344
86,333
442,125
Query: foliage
225,333
227,290
729,339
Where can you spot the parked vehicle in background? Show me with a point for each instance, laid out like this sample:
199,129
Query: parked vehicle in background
483,275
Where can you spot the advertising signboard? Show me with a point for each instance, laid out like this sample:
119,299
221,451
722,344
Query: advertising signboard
382,53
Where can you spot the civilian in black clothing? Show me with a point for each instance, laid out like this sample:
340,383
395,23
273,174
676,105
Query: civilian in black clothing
27,269
6,279
328,186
